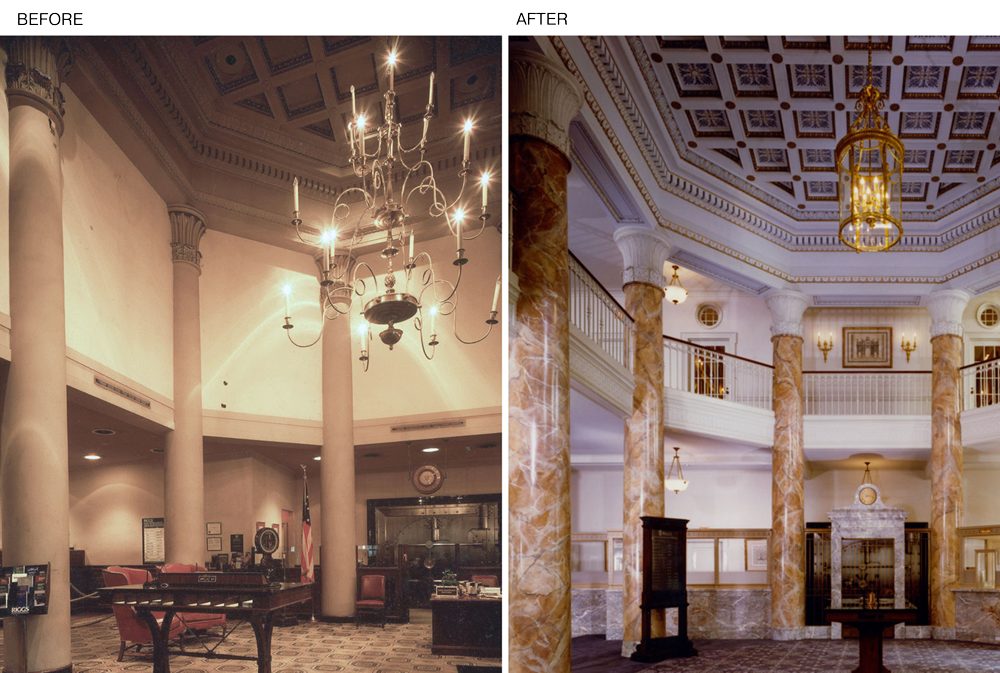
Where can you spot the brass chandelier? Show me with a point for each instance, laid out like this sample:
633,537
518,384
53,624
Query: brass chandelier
870,176
391,176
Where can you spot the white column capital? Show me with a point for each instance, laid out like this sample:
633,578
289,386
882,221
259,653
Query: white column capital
187,226
645,250
786,307
544,98
35,69
946,307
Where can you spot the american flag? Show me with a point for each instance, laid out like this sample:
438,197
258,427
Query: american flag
307,539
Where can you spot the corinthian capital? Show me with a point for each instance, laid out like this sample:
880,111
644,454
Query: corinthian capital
786,307
544,97
187,226
36,68
645,250
946,307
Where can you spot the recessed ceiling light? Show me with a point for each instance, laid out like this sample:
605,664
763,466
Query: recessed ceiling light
103,431
431,449
92,456
318,458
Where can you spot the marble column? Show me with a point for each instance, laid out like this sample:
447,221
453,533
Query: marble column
644,250
543,100
184,464
946,307
338,535
787,554
34,465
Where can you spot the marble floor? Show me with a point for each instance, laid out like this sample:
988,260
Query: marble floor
594,653
307,648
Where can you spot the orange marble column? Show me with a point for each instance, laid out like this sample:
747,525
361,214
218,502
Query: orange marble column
644,251
543,100
946,307
34,460
787,554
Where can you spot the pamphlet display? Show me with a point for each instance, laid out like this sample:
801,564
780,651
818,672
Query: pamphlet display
24,590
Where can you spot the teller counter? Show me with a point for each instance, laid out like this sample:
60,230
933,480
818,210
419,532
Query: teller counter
467,626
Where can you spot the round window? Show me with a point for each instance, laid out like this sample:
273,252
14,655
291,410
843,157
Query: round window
709,315
988,315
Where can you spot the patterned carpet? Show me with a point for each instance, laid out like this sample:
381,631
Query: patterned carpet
804,656
307,648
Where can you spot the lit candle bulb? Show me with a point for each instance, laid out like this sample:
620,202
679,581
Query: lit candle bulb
354,104
362,329
411,243
430,92
486,183
295,193
433,311
350,134
468,136
392,69
496,297
459,214
286,290
361,132
423,138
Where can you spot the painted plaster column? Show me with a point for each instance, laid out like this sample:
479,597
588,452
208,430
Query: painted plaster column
946,307
338,535
788,586
184,462
644,250
34,465
543,100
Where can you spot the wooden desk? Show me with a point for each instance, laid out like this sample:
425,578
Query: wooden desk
464,626
869,624
254,604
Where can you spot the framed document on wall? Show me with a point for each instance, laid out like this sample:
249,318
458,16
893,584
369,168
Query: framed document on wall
152,540
214,544
213,528
867,347
756,554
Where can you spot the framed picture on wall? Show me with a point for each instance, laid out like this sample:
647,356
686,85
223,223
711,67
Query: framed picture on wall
213,528
867,347
756,551
214,544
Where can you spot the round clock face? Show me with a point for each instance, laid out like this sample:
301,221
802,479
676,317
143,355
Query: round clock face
867,496
427,479
267,540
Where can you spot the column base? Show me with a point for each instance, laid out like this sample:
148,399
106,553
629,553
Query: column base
64,669
793,633
333,619
943,632
629,647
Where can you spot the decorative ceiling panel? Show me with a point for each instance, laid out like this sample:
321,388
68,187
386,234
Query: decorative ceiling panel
743,108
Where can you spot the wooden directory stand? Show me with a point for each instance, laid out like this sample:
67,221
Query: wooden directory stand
664,585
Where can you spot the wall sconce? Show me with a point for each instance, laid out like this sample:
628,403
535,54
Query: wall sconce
678,483
825,346
909,346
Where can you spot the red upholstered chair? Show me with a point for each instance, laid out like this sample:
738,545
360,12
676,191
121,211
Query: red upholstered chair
130,628
371,598
487,580
195,621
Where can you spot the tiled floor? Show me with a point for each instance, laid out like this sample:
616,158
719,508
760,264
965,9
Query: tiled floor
593,653
307,648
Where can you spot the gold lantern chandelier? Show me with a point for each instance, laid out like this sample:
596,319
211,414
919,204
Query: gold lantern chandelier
394,179
870,173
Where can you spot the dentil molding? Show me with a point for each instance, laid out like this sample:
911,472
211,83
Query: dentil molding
543,98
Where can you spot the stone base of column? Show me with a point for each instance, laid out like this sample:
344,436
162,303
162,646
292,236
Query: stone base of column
628,647
792,633
64,669
943,633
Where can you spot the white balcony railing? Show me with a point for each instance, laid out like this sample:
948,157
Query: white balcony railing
598,315
867,393
981,384
702,371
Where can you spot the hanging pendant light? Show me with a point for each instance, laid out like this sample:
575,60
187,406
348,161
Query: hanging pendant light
675,293
870,176
678,483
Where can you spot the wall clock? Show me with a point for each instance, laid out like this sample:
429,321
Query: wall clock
427,479
867,496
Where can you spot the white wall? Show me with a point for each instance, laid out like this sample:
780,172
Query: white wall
118,273
908,321
742,313
908,489
982,505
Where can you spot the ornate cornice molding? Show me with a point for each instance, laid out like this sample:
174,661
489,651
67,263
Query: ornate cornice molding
645,251
786,307
543,99
946,308
35,70
187,226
